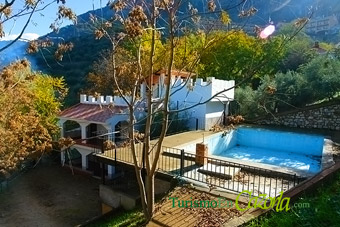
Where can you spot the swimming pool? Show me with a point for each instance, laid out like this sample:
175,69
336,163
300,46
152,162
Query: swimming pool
289,150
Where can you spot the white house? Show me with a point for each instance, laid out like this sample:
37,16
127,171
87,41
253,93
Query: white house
95,116
212,95
91,117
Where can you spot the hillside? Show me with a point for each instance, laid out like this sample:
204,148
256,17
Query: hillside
75,65
78,63
277,11
15,52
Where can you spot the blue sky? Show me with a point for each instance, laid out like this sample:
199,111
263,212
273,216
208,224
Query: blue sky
41,21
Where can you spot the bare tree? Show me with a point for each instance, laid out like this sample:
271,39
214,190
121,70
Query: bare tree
155,17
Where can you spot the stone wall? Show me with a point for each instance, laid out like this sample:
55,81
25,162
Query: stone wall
322,116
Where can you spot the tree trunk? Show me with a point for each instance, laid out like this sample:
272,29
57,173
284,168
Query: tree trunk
138,169
150,194
150,187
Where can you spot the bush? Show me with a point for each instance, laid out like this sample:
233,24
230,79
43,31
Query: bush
316,81
255,103
323,78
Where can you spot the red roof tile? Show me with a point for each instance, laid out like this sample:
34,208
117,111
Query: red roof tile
174,73
91,112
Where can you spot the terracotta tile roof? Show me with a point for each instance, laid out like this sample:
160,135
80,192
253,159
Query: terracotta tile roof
318,49
91,112
174,73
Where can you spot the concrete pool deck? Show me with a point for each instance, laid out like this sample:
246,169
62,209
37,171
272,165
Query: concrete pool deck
184,138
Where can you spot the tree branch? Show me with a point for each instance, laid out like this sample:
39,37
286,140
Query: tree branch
24,28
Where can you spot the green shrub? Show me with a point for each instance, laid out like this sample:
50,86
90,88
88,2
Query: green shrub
315,81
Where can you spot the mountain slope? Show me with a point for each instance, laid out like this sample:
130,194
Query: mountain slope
15,52
77,63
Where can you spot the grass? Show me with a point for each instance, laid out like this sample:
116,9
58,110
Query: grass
324,210
132,218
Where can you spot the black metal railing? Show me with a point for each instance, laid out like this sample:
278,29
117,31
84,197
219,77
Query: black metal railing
224,174
212,171
238,177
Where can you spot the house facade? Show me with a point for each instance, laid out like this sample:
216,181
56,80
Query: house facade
89,118
207,101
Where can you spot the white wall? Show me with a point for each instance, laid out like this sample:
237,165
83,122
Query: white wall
214,112
117,118
101,100
201,91
210,112
114,120
198,91
214,109
195,112
190,93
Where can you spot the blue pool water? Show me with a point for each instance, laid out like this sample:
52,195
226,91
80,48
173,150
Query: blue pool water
302,152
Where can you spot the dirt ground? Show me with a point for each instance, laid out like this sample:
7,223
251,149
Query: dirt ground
49,195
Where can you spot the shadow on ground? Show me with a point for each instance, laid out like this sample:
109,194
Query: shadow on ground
49,195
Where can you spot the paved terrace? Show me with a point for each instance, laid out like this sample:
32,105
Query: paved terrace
184,138
167,161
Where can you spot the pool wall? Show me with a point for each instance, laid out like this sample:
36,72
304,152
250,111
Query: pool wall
304,144
280,141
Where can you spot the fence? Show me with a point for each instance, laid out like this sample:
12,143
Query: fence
224,174
212,171
176,126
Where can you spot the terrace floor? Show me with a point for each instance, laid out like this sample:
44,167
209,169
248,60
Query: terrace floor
169,214
166,162
184,138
